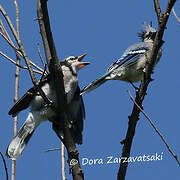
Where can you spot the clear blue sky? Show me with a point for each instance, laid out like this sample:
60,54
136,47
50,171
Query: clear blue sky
104,29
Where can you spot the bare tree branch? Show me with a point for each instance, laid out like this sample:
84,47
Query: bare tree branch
6,36
158,10
140,94
39,52
22,50
5,166
155,128
4,32
36,66
14,62
17,17
54,149
56,72
63,162
10,42
177,18
17,73
19,52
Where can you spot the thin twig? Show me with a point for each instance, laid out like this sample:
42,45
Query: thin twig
39,52
19,53
4,31
17,74
17,17
5,166
14,62
155,128
63,162
177,18
54,149
10,25
10,42
36,66
25,57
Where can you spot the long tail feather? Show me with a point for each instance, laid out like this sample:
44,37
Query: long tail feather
19,142
95,84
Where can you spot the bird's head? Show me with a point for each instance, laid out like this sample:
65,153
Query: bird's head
147,33
75,62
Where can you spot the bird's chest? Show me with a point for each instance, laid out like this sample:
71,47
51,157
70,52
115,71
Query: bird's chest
70,89
70,85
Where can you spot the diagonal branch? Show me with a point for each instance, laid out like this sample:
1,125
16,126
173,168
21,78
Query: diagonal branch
57,75
155,128
25,57
18,65
140,94
176,16
40,56
5,166
4,32
21,47
6,36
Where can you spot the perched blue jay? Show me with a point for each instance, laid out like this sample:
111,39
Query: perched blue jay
132,63
40,112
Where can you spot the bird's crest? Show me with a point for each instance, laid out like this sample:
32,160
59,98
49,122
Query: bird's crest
147,32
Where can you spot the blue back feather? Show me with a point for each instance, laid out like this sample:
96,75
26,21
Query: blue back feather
130,55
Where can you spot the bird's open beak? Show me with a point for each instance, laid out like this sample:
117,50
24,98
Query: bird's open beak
82,64
80,58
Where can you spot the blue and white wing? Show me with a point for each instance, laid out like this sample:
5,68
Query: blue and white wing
130,56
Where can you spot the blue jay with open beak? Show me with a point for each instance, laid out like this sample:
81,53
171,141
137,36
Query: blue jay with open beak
131,65
40,112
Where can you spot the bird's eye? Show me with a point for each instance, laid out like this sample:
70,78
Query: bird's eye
72,58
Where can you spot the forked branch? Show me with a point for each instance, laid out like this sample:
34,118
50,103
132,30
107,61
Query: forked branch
140,94
25,57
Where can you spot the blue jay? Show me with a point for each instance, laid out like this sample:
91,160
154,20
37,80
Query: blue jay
40,112
130,66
